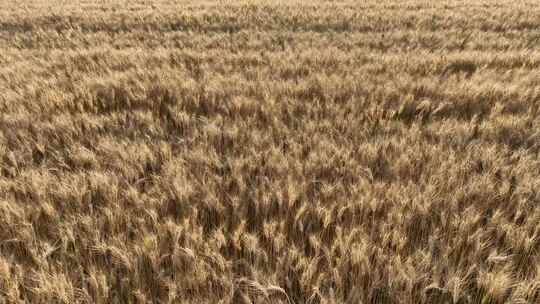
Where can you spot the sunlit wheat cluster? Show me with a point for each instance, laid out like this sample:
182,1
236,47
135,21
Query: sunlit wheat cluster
315,152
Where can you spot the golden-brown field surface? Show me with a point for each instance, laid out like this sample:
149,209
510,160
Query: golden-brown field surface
269,151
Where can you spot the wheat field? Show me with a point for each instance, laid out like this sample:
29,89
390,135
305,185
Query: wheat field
269,151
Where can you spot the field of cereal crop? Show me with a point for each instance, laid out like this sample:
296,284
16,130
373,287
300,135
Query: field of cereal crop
269,151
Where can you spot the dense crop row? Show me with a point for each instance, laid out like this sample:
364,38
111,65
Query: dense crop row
269,152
